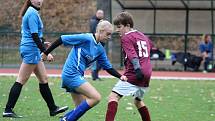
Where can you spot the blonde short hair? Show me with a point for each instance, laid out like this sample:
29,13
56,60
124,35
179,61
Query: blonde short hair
103,24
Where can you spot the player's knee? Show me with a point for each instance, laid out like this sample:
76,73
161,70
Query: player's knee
138,103
44,79
22,80
113,97
96,99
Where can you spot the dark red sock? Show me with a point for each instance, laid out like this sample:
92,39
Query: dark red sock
144,113
111,111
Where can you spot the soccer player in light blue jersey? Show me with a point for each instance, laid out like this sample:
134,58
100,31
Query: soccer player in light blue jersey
86,48
30,48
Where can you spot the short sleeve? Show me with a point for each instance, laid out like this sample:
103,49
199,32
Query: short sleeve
129,49
33,21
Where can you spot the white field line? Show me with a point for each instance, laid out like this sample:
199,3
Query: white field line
109,76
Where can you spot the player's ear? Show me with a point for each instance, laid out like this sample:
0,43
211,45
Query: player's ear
128,25
101,31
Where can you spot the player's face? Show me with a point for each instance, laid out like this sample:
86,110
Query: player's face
207,39
37,3
100,14
106,34
121,29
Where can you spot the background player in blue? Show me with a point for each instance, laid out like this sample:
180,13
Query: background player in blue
30,48
86,48
206,49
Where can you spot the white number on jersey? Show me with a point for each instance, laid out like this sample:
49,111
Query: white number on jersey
142,49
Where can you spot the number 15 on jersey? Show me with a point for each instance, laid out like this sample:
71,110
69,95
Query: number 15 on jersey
142,49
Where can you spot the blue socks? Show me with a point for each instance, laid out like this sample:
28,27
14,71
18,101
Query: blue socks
76,113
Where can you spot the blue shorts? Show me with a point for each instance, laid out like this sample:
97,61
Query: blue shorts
30,55
72,82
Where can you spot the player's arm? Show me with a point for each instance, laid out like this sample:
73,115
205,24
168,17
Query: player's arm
33,26
203,51
75,39
67,40
113,72
38,42
54,45
116,74
46,54
106,65
137,68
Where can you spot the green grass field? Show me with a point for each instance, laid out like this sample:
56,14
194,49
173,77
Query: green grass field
167,100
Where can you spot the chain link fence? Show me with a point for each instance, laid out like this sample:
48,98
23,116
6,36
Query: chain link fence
166,44
10,56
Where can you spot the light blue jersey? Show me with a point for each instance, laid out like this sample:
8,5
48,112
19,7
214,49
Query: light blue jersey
85,50
31,23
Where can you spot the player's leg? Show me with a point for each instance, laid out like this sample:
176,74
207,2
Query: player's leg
24,74
77,98
143,110
112,106
92,98
206,63
45,91
120,89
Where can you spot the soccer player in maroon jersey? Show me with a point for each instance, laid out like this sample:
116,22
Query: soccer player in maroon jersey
136,48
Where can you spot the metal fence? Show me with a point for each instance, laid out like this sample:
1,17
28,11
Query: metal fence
9,50
166,43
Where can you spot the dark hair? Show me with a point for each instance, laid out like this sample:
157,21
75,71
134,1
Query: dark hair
124,18
206,36
24,8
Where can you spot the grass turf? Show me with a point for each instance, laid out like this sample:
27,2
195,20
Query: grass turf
167,100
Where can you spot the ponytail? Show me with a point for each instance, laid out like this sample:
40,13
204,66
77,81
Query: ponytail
24,8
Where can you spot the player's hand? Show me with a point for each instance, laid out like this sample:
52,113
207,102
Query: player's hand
43,56
139,74
123,78
50,58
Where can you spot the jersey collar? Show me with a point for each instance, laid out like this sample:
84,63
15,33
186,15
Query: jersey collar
130,32
94,38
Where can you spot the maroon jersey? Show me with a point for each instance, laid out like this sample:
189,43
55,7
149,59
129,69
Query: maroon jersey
136,45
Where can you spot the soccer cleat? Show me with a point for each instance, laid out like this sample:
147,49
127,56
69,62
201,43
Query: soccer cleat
58,110
11,115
